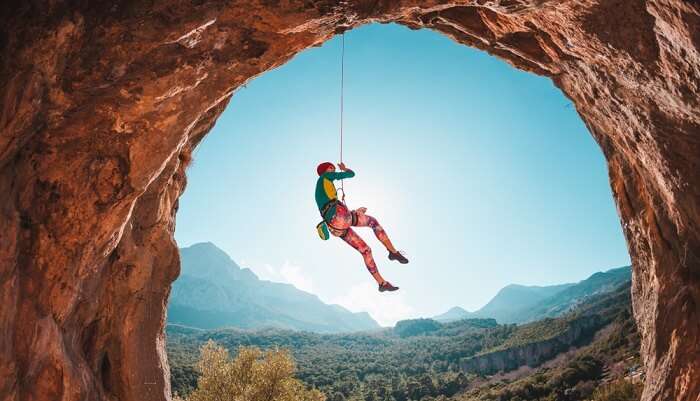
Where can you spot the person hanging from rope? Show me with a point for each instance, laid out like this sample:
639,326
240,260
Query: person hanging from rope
339,220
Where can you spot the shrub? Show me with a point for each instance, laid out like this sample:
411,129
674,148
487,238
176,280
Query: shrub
620,390
253,375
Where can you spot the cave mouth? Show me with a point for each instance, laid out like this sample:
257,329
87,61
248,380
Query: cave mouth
244,149
454,149
102,108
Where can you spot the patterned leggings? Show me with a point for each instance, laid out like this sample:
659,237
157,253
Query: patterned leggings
340,226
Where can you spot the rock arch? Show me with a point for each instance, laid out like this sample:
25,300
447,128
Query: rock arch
102,104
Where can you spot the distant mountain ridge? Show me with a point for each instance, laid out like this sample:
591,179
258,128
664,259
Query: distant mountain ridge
501,307
213,291
520,304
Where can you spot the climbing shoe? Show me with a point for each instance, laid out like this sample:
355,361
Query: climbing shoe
398,256
386,286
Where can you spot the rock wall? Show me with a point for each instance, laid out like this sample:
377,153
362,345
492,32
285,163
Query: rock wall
535,353
101,103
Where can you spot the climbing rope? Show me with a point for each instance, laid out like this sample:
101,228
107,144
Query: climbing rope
342,78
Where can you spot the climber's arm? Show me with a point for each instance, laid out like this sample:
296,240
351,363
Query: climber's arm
345,173
342,175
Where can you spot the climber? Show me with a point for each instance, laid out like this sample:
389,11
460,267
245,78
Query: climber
339,220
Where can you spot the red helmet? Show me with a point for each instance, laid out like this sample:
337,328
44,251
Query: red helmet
323,167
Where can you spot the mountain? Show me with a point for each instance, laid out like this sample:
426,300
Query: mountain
511,300
507,303
569,298
213,291
520,304
455,313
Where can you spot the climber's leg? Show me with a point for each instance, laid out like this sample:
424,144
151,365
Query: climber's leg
359,218
358,243
363,220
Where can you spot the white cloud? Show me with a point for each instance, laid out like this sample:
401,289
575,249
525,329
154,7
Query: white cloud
294,275
287,273
386,308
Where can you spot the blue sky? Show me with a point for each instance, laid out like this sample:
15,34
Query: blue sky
484,175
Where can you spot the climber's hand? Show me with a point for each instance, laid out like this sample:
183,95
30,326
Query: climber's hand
342,166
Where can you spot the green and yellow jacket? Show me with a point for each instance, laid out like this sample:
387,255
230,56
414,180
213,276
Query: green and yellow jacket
325,190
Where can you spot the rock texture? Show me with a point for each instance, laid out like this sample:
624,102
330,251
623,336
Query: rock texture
101,103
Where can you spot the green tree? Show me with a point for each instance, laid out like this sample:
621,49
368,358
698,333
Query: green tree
253,375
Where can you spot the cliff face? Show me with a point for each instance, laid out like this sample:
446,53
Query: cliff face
535,353
102,103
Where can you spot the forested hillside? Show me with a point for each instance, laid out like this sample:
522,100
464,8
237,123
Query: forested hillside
423,359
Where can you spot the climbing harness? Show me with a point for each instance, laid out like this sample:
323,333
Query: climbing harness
342,79
327,207
325,225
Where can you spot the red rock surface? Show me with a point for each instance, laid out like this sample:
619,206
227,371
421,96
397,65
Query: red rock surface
102,103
